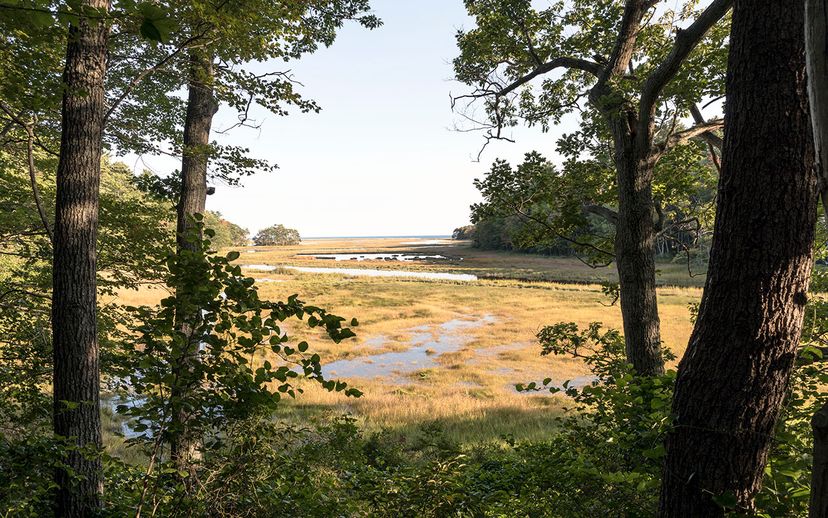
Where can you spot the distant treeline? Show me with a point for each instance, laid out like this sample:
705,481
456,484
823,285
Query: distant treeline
514,234
509,233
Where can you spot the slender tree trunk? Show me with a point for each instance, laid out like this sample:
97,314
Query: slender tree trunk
76,365
734,375
819,478
816,52
201,107
635,254
816,41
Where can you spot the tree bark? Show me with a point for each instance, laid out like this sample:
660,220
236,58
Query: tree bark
816,54
201,107
734,375
635,254
76,364
819,477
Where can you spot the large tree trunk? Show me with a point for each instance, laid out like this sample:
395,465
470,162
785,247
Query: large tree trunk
76,365
734,375
635,254
201,107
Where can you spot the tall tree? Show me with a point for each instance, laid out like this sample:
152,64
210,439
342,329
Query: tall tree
74,317
734,376
201,107
816,52
226,37
623,59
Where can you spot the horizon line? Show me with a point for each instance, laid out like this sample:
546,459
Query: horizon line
421,236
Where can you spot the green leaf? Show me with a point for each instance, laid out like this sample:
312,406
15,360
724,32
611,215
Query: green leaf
726,500
150,31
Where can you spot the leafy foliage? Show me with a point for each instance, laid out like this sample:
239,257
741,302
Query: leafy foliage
277,235
216,318
507,60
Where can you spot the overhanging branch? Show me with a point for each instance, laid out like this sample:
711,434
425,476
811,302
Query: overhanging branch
599,210
709,137
686,40
682,137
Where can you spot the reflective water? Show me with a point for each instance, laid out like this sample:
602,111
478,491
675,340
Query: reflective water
113,402
405,258
428,344
425,242
359,272
260,267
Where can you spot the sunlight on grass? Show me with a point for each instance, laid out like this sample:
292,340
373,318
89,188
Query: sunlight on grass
470,391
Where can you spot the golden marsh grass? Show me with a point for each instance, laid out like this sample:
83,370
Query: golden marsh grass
470,391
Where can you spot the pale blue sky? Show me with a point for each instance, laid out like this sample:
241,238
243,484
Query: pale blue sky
381,158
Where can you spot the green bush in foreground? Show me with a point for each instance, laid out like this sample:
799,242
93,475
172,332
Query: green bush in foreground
604,459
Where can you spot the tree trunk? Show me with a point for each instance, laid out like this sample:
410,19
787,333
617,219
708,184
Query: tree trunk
816,53
76,364
635,254
819,477
734,375
201,107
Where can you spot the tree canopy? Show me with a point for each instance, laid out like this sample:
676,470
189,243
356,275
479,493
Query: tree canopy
277,235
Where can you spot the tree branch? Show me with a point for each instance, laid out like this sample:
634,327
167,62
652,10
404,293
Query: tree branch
686,41
682,137
29,127
146,72
599,210
561,62
619,61
709,137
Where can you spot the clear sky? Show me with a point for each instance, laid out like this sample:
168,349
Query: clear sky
381,157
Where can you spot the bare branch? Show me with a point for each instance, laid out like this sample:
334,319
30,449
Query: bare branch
561,62
568,239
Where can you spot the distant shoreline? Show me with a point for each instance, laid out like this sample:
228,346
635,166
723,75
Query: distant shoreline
444,236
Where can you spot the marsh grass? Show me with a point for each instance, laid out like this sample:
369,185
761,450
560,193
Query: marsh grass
470,394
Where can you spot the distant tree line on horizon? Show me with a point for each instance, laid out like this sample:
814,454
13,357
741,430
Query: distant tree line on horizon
277,235
512,233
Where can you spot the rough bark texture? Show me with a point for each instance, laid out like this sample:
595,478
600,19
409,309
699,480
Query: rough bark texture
734,375
816,52
201,107
816,42
819,478
634,238
76,365
635,254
